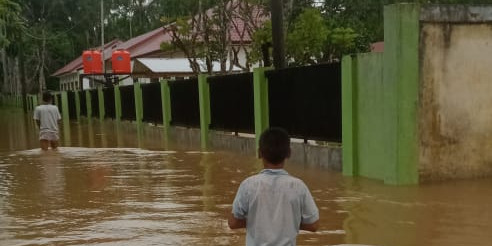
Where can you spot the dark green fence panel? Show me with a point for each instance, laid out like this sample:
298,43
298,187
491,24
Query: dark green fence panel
307,101
109,106
152,105
232,103
72,107
94,103
83,103
185,110
127,102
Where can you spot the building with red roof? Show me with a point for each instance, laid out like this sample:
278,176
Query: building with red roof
148,46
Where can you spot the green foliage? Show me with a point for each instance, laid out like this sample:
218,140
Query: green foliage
167,46
310,40
340,41
11,22
306,39
261,37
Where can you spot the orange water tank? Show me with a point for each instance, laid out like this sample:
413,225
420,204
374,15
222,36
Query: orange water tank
92,62
121,61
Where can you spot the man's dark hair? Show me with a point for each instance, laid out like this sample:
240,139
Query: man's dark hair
47,97
274,145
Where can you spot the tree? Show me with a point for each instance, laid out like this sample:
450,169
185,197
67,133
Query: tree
11,24
217,34
310,40
306,39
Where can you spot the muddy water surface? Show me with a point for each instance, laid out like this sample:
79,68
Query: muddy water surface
114,187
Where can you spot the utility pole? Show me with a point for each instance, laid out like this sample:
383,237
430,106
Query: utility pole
102,36
278,38
3,34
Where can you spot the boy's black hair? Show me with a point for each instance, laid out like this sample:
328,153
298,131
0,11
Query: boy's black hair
47,97
274,145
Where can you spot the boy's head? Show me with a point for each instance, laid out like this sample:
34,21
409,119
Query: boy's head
274,145
47,97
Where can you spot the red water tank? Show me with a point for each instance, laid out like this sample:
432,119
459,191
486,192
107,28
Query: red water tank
121,61
91,60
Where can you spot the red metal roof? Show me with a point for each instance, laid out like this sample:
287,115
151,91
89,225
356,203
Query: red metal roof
377,47
150,42
146,43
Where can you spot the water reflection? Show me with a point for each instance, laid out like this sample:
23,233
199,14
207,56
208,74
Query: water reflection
108,191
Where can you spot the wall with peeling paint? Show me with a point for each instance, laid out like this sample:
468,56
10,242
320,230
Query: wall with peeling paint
455,105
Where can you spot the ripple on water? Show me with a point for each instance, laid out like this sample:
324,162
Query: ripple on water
89,152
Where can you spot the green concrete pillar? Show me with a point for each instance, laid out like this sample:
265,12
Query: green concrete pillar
29,103
35,101
55,96
166,107
401,76
260,88
88,104
137,89
166,103
100,96
28,99
66,119
77,104
117,103
204,99
349,116
64,105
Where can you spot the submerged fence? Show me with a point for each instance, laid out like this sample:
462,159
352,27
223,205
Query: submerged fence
307,101
232,103
185,110
109,105
304,100
152,103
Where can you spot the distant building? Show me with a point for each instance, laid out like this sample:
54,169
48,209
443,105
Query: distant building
69,74
148,61
377,47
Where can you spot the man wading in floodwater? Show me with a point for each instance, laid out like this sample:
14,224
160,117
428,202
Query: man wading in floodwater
272,205
47,117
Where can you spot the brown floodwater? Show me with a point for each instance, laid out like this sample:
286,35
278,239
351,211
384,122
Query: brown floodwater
109,185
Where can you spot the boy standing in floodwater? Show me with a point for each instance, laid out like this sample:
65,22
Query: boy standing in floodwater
47,117
272,205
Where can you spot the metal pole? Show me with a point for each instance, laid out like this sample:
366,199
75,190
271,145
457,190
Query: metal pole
102,36
278,33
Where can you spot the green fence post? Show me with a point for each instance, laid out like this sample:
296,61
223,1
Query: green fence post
28,100
66,119
77,105
55,96
401,78
137,89
35,101
88,103
166,104
260,87
204,99
349,115
100,95
64,104
117,103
